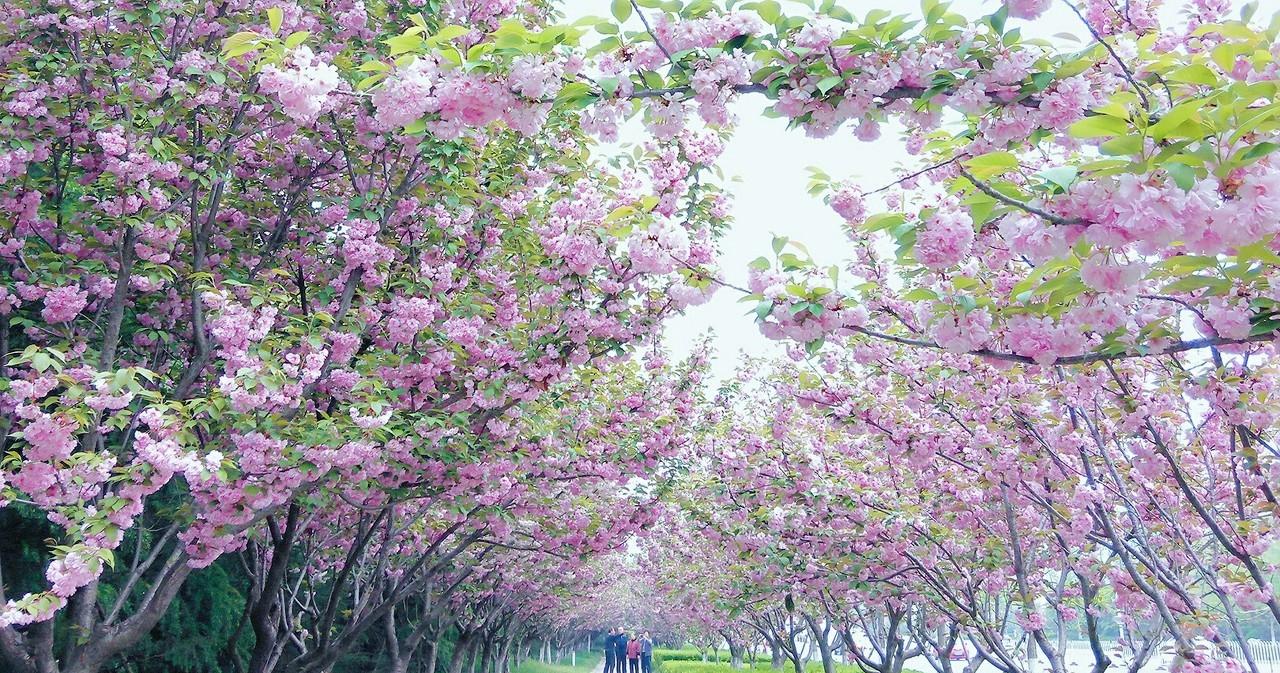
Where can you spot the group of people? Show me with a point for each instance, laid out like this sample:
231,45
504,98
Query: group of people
627,655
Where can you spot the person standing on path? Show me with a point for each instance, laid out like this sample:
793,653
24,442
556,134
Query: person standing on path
633,655
610,652
620,651
646,653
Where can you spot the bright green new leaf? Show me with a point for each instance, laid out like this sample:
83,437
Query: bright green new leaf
621,10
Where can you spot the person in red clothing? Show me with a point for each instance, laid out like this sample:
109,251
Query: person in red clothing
633,655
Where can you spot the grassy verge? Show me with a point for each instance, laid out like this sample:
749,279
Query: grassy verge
586,661
690,661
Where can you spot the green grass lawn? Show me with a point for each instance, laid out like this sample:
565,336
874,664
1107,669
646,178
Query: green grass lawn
759,665
587,661
689,660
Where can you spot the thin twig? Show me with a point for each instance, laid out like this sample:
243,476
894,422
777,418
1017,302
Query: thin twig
1020,205
1124,67
916,174
649,29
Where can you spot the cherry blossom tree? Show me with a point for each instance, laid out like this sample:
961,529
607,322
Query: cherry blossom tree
245,304
355,293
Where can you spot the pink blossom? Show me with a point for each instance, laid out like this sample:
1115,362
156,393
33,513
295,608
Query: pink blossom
1032,337
304,87
406,94
1032,621
71,572
370,421
1034,238
1066,102
64,303
817,34
965,332
49,438
1026,9
533,78
472,100
946,237
660,248
1103,274
1229,319
847,202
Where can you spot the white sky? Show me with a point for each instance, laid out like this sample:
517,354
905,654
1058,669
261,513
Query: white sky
772,163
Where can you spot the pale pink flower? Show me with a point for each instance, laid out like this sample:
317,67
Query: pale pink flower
1026,9
1105,275
304,87
64,303
946,238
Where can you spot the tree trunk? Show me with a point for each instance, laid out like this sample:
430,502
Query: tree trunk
433,655
776,658
396,662
822,636
461,652
735,650
504,655
108,641
265,616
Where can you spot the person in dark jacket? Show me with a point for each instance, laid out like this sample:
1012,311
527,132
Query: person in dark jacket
610,652
646,653
620,650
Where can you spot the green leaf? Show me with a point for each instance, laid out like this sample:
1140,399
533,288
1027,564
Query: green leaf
1062,176
921,294
829,83
992,164
1258,151
1196,73
769,10
1263,326
404,44
1123,146
1175,117
296,38
121,379
448,34
1181,264
1183,175
998,19
882,221
621,10
1098,126
1041,80
763,309
240,44
993,160
369,81
275,18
